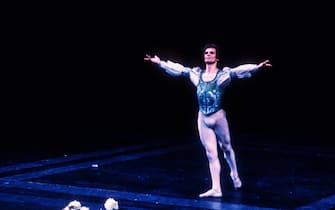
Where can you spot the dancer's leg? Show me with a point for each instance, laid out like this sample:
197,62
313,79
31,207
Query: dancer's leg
208,140
223,134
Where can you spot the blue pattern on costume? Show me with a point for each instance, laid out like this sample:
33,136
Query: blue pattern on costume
210,94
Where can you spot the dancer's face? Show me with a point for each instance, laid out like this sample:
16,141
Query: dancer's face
210,56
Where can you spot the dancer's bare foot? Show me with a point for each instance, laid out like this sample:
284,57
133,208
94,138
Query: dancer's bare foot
211,193
236,181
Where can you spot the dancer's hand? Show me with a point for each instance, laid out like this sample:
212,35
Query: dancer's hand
265,63
154,59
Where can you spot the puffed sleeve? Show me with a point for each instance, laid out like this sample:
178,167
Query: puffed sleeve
243,71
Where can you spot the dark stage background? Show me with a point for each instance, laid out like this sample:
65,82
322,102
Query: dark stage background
75,73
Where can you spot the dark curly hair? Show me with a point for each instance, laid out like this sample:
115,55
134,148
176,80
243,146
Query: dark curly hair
212,45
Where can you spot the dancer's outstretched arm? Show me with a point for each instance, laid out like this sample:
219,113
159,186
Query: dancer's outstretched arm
172,68
245,70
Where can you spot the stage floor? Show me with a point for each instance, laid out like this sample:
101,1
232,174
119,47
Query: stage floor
169,174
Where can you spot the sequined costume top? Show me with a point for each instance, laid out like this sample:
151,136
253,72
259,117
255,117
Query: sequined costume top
209,93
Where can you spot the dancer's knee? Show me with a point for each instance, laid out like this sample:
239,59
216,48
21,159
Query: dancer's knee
227,148
211,156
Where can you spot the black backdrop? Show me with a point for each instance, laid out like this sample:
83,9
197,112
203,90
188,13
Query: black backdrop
75,73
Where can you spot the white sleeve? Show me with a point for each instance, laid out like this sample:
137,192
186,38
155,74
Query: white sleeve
174,69
244,70
194,75
224,77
